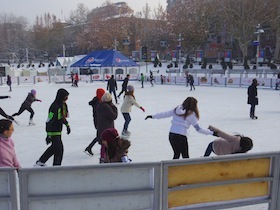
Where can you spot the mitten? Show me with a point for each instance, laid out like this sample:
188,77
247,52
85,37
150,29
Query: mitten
48,139
142,109
40,100
215,133
149,116
68,130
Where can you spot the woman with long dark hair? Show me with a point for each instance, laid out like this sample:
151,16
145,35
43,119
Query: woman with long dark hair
183,116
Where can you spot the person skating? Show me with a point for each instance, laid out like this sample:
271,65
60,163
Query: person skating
9,82
107,113
253,100
3,113
191,81
112,87
124,85
142,78
94,102
228,144
58,112
183,116
151,78
26,105
128,102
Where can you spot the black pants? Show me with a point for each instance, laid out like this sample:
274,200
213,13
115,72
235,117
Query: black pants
123,91
179,145
252,110
209,149
23,108
3,113
56,150
115,95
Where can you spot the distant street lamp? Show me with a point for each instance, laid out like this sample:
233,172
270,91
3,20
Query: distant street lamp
180,46
258,32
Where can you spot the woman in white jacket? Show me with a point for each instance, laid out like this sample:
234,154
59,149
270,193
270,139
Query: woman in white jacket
183,116
129,101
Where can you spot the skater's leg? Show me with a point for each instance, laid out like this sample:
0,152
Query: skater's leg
3,113
58,151
127,120
184,147
21,109
175,145
209,150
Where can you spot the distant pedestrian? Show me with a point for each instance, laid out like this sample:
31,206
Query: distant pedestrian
26,105
76,80
228,144
161,79
128,102
124,85
191,81
151,78
72,78
9,82
58,112
112,87
142,78
187,78
277,81
253,98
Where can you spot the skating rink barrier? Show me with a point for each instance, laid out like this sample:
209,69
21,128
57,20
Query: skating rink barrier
210,183
101,187
8,189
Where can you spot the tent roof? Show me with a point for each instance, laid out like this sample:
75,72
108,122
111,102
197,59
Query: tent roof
104,58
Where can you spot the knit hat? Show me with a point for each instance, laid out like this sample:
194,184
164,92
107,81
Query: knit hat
109,135
130,88
106,97
33,92
99,93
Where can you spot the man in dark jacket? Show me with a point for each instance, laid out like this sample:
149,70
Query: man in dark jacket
112,87
124,85
58,113
253,98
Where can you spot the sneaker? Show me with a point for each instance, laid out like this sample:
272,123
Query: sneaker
88,151
39,164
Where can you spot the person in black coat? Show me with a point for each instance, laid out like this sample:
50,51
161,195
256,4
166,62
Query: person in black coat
9,82
253,98
93,103
191,81
106,112
112,87
124,85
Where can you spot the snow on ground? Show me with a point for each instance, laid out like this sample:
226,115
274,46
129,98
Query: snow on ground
223,107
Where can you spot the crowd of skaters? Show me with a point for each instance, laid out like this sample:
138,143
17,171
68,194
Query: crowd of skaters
115,145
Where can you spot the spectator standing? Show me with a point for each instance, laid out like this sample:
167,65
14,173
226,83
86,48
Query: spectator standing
112,87
142,78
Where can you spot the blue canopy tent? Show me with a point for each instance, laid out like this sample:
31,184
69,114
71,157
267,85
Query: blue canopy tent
105,58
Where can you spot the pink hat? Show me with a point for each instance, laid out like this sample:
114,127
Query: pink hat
110,135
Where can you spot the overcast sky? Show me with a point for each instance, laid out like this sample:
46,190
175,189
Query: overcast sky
61,8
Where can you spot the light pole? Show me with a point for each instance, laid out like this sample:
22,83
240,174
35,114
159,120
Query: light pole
258,32
180,46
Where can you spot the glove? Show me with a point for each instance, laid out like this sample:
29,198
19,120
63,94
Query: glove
68,130
10,118
149,116
48,139
142,109
40,100
215,133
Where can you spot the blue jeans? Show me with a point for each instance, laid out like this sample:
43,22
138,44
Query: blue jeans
127,120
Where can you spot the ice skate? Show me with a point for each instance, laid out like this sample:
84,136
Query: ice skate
88,152
126,133
39,164
31,122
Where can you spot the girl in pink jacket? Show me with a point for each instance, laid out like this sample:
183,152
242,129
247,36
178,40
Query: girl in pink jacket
228,144
8,156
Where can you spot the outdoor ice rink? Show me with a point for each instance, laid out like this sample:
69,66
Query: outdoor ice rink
223,107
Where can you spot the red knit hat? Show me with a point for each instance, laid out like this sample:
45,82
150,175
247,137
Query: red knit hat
110,134
99,93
